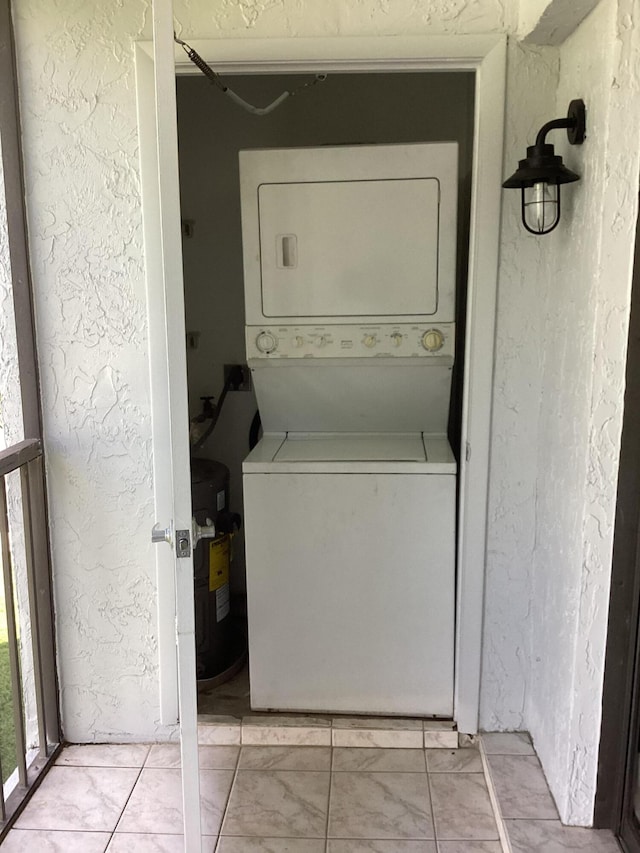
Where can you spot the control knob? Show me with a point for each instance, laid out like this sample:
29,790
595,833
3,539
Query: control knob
370,341
432,340
396,339
266,342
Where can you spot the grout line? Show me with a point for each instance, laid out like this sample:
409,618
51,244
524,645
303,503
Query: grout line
127,801
326,826
502,829
226,808
433,814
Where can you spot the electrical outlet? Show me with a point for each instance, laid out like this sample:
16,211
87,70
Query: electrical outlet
246,376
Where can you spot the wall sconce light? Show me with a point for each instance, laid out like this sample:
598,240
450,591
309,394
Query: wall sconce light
541,173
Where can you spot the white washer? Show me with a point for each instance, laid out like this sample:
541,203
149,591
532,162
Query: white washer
351,573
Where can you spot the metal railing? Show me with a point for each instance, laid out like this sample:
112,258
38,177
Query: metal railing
26,457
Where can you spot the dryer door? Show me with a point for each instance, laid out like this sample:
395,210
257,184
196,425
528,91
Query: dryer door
340,248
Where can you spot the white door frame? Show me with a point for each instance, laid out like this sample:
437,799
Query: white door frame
486,55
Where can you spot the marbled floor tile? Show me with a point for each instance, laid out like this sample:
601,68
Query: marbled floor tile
454,761
379,760
521,787
286,731
364,846
216,730
387,723
127,842
210,757
532,836
380,805
378,738
471,847
285,758
270,845
462,808
278,804
440,740
103,755
155,806
377,732
284,721
47,841
507,743
82,798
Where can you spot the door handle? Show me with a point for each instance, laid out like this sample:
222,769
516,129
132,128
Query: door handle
160,534
207,531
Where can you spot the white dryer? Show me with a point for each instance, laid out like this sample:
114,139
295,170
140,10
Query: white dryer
350,496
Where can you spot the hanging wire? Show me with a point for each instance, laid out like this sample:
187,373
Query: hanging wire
215,78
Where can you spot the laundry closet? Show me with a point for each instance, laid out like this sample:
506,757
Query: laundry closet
325,261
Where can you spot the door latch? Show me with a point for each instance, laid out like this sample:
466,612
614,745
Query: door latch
184,537
183,543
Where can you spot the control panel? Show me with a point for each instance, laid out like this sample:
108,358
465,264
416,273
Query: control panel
407,340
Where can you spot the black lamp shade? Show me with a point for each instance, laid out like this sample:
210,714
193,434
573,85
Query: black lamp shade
541,165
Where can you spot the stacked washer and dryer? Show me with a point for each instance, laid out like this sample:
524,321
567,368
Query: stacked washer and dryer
350,496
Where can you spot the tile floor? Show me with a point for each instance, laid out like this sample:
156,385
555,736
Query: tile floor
300,799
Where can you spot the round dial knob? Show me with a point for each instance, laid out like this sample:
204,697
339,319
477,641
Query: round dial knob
322,341
266,342
432,340
370,340
396,339
298,341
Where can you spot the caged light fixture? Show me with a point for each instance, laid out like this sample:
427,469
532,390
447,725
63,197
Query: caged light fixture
541,173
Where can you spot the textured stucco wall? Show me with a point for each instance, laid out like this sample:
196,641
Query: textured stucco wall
551,21
529,13
561,344
532,79
588,285
557,399
77,91
80,143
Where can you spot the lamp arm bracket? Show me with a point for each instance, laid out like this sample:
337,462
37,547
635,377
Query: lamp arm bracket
575,123
552,125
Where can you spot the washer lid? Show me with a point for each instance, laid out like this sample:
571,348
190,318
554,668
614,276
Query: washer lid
355,447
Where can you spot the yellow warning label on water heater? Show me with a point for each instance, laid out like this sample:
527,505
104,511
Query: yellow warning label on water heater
218,563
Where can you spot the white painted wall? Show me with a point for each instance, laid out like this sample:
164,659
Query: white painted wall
76,79
588,280
550,22
557,410
80,144
529,13
558,391
532,79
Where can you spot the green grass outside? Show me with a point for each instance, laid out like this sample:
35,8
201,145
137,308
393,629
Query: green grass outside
7,730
